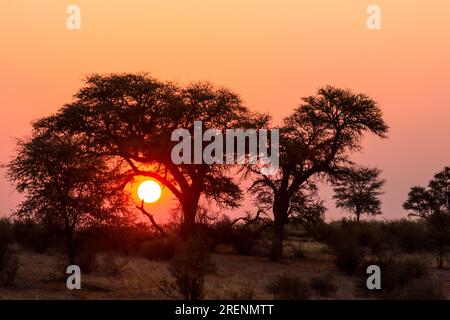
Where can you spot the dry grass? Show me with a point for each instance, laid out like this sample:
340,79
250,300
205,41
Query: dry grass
40,277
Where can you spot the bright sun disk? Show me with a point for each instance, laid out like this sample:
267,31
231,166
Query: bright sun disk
149,191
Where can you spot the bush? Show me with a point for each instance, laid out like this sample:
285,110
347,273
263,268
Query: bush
419,289
242,236
189,266
57,272
439,235
323,285
285,287
245,241
349,255
401,272
321,231
114,266
160,248
345,239
87,260
127,239
36,237
244,293
397,274
6,231
223,231
298,251
409,236
9,264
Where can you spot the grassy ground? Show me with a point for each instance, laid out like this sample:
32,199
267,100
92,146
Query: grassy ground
40,276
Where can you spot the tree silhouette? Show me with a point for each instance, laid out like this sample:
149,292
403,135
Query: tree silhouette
132,116
432,204
423,202
305,205
65,186
357,190
316,140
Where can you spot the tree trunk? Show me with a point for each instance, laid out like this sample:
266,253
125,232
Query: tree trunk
189,207
358,214
277,241
70,247
280,215
441,258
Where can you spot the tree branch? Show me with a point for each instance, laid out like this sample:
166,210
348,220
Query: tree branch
152,220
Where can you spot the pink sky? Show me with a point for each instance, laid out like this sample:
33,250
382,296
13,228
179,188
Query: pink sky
271,52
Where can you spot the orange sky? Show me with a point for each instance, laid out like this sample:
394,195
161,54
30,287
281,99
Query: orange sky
271,52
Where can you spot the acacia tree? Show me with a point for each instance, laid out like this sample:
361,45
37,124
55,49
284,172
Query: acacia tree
316,140
132,116
65,186
422,202
432,204
357,190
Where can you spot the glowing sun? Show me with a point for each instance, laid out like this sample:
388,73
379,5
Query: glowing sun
149,191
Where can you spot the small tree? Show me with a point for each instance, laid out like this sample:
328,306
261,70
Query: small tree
357,190
66,187
432,205
422,202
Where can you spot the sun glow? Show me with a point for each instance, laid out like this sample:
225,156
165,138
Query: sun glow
149,191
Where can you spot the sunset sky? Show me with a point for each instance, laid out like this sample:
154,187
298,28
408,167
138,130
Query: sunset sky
270,52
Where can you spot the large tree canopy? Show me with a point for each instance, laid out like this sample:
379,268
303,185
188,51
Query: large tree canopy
66,186
316,139
132,117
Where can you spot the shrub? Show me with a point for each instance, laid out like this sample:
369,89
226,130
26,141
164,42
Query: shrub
223,231
57,272
345,239
321,231
409,236
6,231
244,242
114,266
242,236
124,239
419,289
160,248
323,285
401,272
243,293
298,251
87,260
439,234
9,264
35,236
397,274
349,255
285,287
189,266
